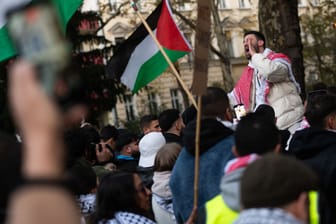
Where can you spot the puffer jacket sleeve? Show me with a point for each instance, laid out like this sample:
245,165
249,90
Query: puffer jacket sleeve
272,70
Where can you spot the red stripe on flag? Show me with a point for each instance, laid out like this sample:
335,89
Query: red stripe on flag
168,33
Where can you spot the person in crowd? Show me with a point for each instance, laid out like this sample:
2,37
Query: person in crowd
122,198
268,79
109,135
171,124
149,145
267,112
255,136
162,198
128,152
215,105
149,123
276,189
189,114
82,180
315,146
10,170
216,141
42,197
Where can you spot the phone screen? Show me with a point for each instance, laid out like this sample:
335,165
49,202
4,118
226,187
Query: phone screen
37,36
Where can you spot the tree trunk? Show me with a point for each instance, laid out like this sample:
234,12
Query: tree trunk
279,21
222,44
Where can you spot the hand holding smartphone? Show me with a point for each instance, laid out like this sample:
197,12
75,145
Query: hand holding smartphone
36,33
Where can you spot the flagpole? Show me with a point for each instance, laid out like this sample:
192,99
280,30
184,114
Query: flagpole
172,67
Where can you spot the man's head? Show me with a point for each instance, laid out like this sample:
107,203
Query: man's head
109,135
257,41
149,123
254,134
171,121
215,104
277,181
127,144
321,111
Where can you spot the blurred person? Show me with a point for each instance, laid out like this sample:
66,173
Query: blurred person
43,197
315,146
268,79
149,123
216,141
122,198
255,136
275,189
109,135
162,198
171,124
149,145
128,152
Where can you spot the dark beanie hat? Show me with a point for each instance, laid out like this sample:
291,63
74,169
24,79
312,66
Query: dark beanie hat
108,132
274,181
167,118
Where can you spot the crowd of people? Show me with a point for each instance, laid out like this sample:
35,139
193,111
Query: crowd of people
273,165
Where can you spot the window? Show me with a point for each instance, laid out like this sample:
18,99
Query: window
315,2
129,107
229,43
222,4
242,4
175,99
300,3
152,104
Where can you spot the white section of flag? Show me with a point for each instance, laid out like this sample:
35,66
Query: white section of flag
6,5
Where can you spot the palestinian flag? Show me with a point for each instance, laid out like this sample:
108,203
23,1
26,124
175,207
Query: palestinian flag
65,8
138,60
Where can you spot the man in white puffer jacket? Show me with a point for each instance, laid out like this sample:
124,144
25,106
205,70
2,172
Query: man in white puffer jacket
268,79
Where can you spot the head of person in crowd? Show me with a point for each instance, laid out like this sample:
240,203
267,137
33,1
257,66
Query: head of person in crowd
321,112
267,112
189,114
215,104
149,123
127,144
121,192
166,157
149,145
10,170
257,40
171,121
109,135
254,134
277,181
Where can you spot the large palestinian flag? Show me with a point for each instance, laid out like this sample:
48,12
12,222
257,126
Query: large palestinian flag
138,60
65,8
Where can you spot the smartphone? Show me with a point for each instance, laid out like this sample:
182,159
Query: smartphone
239,110
37,36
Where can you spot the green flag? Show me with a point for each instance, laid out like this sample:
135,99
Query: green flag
65,8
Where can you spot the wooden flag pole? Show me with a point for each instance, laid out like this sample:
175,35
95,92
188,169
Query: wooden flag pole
171,65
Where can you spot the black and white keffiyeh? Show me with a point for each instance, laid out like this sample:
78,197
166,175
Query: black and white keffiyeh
87,203
127,218
266,216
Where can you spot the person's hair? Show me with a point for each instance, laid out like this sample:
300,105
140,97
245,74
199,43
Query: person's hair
189,114
91,137
266,111
319,86
319,108
166,157
215,102
81,179
108,132
10,170
254,134
146,120
167,118
275,180
125,138
116,192
258,35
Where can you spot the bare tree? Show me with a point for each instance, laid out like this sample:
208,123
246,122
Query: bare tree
279,21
